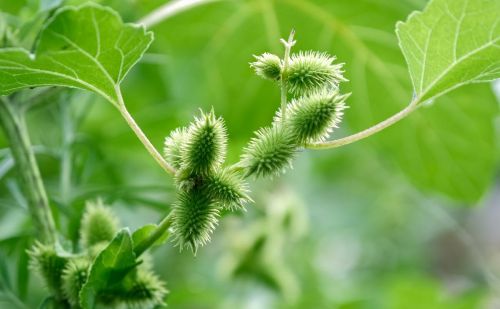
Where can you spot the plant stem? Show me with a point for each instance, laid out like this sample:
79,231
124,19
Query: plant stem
288,46
142,137
161,229
170,9
368,132
14,125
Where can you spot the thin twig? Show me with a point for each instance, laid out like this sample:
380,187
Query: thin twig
286,59
170,9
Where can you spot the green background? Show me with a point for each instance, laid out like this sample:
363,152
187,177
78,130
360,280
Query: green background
404,219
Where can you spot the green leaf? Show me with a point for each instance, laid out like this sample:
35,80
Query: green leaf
456,156
87,47
109,267
144,231
451,43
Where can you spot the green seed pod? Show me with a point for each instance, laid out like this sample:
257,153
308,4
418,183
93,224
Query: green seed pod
267,66
145,291
228,188
270,152
195,216
172,147
98,224
311,118
74,277
45,261
205,146
311,71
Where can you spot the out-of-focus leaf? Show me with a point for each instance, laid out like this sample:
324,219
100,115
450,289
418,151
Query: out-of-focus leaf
87,47
110,266
46,5
451,43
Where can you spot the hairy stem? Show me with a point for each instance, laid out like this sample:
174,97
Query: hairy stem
286,59
368,132
142,137
161,229
16,132
170,9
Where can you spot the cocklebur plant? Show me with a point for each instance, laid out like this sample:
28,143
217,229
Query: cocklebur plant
106,269
205,187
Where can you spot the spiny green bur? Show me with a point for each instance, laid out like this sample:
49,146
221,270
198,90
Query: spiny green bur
45,261
205,145
311,71
228,188
270,152
173,147
195,218
312,117
99,224
146,290
267,66
74,277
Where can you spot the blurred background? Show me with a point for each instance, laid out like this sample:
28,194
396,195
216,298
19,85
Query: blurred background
405,219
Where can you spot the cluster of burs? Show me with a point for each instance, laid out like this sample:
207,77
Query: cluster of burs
206,187
65,274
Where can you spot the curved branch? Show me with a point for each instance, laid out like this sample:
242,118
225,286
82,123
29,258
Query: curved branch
142,137
368,132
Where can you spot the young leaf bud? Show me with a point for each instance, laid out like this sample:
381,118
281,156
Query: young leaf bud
172,147
45,261
312,117
270,152
228,188
205,146
195,216
267,66
98,224
311,71
74,277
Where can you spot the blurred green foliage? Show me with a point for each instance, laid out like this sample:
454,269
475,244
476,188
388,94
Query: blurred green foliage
371,225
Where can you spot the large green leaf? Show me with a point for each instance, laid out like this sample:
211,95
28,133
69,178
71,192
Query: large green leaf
86,47
109,268
361,34
451,43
